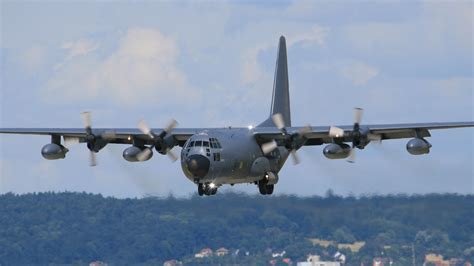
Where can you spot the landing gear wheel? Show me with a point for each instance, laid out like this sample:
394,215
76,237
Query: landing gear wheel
269,189
265,189
206,189
201,189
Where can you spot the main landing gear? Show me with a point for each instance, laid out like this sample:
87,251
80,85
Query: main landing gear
207,189
264,188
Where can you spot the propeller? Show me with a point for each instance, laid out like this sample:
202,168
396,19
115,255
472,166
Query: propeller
336,132
292,142
70,141
94,142
269,146
90,138
279,122
358,135
158,140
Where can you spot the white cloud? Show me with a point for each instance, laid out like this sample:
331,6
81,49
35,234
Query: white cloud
317,34
359,73
79,47
251,70
141,70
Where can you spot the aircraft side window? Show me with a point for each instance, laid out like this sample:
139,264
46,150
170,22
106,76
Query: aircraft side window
218,144
214,143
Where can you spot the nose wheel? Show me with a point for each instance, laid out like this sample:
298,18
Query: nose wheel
207,189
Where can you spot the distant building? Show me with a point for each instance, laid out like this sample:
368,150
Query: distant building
172,263
340,257
287,261
98,263
456,261
382,261
314,260
377,262
278,255
204,253
222,252
435,259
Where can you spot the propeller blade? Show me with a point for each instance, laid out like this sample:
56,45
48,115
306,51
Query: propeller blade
142,156
295,157
269,147
352,155
86,119
374,137
171,125
304,130
336,132
173,157
144,128
92,159
70,141
278,121
358,115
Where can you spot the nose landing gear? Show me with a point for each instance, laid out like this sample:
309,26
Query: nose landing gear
207,189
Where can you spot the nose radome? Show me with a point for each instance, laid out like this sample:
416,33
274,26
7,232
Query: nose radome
198,165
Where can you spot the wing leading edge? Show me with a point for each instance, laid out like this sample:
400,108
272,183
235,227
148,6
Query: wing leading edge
320,134
118,135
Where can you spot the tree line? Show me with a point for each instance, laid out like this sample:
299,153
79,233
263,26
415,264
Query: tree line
70,228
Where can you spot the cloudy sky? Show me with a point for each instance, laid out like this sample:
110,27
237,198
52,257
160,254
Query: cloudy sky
210,64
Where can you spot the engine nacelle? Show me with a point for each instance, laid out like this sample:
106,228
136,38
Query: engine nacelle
131,153
54,151
337,151
418,146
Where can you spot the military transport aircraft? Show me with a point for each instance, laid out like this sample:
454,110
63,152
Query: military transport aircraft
212,157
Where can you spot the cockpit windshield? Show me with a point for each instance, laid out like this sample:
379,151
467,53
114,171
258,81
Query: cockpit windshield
213,143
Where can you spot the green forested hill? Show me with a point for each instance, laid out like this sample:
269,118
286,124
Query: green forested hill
59,228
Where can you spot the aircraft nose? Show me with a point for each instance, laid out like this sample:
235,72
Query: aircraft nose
198,165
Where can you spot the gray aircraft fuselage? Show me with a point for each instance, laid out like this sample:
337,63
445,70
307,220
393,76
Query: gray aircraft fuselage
237,159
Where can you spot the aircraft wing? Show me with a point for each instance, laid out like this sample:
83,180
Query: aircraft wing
320,135
113,135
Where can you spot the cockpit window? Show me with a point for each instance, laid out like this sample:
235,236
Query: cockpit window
198,143
191,144
205,143
215,143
